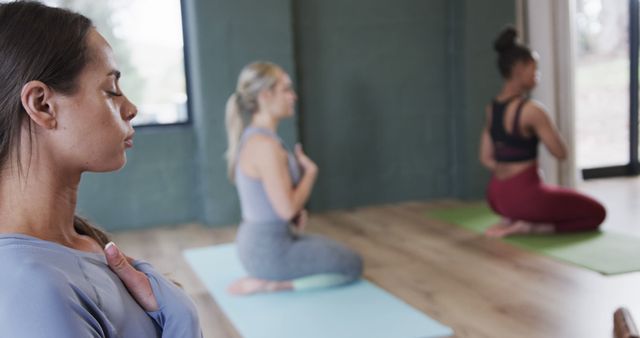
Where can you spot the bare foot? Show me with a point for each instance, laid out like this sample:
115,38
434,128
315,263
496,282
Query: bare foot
520,228
498,227
249,285
515,228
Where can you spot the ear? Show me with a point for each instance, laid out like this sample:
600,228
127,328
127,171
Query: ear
266,93
520,66
36,101
264,96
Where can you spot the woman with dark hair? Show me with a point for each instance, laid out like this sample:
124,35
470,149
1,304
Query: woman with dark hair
62,113
509,148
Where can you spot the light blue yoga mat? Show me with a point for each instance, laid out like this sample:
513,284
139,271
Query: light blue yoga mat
358,310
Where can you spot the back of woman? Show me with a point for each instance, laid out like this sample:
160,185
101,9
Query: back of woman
514,127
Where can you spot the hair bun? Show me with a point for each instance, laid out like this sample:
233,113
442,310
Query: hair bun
506,40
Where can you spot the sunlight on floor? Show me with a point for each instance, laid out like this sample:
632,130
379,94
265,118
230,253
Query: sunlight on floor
621,197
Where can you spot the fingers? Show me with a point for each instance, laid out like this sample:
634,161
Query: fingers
116,260
136,282
305,162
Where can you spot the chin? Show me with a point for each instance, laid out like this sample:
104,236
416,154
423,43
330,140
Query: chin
108,166
120,164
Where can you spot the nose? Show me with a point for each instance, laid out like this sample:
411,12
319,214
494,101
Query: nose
129,111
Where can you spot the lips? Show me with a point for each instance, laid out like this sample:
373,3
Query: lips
128,142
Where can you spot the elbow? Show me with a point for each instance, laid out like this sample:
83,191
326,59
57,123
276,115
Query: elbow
286,213
561,155
488,163
482,160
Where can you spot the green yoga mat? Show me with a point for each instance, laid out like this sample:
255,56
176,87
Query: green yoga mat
603,251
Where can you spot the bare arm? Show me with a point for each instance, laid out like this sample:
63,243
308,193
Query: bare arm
486,147
271,163
547,132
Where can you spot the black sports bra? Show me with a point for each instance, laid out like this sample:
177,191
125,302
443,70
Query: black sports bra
511,147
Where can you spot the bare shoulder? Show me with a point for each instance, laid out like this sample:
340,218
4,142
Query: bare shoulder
535,105
262,143
534,110
262,146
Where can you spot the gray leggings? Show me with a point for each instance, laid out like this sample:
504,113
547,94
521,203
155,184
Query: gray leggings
273,252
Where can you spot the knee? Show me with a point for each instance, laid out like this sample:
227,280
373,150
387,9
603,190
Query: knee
600,214
597,215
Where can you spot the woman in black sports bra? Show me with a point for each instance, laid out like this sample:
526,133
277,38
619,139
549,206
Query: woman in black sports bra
509,148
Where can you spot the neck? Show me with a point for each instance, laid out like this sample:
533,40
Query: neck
262,119
40,202
511,89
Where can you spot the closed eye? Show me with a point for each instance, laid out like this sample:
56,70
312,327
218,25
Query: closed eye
110,93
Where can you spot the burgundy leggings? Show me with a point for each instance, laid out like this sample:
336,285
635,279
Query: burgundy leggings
524,197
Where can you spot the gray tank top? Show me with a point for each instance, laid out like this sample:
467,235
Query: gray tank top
254,202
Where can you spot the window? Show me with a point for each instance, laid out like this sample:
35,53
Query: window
146,36
608,83
602,83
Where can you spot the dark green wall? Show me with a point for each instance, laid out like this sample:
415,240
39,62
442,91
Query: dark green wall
391,96
476,25
374,101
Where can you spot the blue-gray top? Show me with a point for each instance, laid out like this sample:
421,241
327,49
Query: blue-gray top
50,290
254,202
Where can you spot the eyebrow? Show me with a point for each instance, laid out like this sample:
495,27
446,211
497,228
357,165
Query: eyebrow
115,73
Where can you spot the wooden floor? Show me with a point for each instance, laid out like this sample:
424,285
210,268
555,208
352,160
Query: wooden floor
621,197
478,286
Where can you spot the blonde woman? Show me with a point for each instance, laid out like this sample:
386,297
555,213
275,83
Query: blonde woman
273,186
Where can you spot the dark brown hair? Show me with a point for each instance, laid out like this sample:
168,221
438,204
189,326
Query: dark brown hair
510,51
45,44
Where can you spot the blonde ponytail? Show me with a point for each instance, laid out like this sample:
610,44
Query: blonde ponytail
254,78
235,125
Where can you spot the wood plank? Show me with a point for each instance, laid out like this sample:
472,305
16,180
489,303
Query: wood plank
480,287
